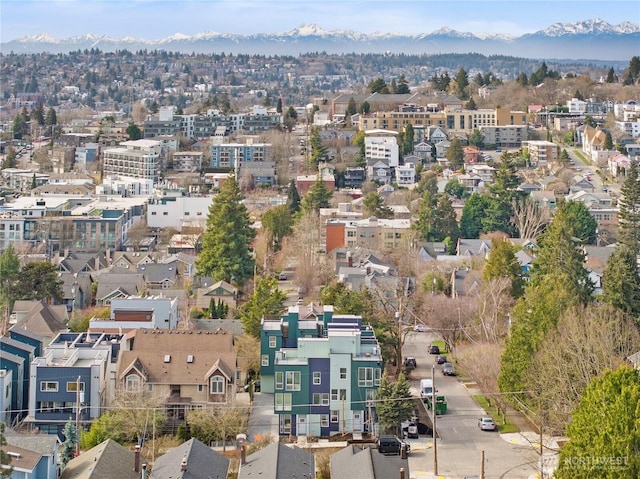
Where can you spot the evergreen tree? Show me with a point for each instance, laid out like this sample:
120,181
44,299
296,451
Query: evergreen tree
39,280
226,244
502,263
403,86
278,223
611,77
267,299
610,450
37,115
462,82
585,226
394,403
621,281
629,210
351,107
318,151
437,218
608,142
293,198
474,212
373,205
133,131
11,158
279,106
317,197
378,86
70,434
455,154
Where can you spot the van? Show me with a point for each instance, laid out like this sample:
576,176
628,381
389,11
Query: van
392,445
426,389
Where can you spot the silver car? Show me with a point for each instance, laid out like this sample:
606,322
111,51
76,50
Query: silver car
486,424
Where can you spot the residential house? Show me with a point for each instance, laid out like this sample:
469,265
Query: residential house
185,369
183,263
529,188
472,183
579,183
406,174
191,460
473,247
465,282
305,182
378,171
485,172
322,368
130,259
6,392
544,199
366,463
151,312
471,154
106,460
424,151
618,164
33,456
158,275
73,372
595,259
354,176
436,134
186,244
278,461
593,140
219,291
441,150
40,318
118,285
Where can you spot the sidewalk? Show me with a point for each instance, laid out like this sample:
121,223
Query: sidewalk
262,420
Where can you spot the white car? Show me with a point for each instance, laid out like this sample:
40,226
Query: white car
421,328
486,424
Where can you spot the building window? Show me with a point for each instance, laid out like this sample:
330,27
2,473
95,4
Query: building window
324,420
317,377
279,380
334,415
282,402
377,373
285,424
343,373
217,385
72,387
132,382
292,381
49,386
320,399
265,360
371,394
365,377
200,388
165,213
272,341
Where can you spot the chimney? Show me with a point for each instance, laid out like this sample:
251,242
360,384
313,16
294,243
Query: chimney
144,471
402,473
243,455
136,462
183,465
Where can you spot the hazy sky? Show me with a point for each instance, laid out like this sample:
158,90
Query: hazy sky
154,19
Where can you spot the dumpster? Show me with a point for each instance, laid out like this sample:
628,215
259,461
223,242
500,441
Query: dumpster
441,404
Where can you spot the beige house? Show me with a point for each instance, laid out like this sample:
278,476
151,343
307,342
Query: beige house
185,369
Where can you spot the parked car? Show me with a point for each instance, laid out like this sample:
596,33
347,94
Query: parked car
434,349
448,369
300,300
412,431
392,445
410,362
486,424
421,328
282,276
441,359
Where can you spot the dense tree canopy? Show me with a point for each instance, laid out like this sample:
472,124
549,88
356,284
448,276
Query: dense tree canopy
317,197
474,212
629,209
394,403
621,281
267,299
226,243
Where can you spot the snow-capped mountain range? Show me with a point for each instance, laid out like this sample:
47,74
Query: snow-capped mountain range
589,39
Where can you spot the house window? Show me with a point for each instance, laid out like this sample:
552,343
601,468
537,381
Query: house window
343,373
217,385
132,382
282,402
200,388
324,420
292,381
279,380
285,424
334,394
365,377
49,386
317,377
338,394
272,341
73,387
377,373
265,360
334,415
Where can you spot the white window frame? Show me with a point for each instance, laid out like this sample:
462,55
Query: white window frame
334,416
279,380
377,376
317,377
264,361
49,386
73,385
219,382
324,420
343,373
293,380
132,382
272,341
365,377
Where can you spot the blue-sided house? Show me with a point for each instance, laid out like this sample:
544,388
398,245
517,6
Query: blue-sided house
323,370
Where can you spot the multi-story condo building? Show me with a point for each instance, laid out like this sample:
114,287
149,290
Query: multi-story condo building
324,370
381,145
174,211
370,233
464,121
133,159
151,312
541,153
72,377
507,136
187,161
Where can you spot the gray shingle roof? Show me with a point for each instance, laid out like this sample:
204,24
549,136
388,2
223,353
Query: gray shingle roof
353,462
278,461
107,460
201,463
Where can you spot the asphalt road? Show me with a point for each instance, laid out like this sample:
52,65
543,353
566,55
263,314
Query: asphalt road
460,442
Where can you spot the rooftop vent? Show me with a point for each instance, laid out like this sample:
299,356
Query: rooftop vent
167,358
190,358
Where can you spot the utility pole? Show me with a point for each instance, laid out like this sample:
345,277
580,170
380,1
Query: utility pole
433,411
482,464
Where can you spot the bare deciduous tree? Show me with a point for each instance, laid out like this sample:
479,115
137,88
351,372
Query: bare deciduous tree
586,342
494,302
529,218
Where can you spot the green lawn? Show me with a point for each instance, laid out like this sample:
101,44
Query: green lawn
503,426
441,344
581,156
